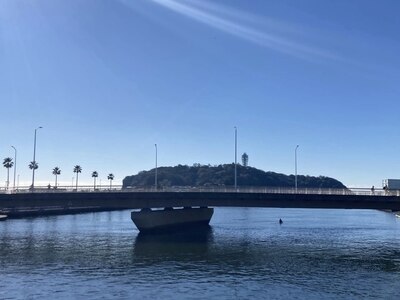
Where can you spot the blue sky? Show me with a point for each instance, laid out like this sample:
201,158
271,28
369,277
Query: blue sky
109,79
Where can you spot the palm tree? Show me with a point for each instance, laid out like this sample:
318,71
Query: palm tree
8,163
110,177
33,165
56,172
94,175
77,169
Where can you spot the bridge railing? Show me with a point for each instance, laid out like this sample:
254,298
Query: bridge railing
264,190
286,190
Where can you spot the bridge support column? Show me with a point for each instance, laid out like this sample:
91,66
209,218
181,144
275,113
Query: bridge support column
167,219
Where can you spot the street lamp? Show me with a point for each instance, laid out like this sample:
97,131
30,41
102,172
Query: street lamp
34,158
155,179
235,157
295,168
15,165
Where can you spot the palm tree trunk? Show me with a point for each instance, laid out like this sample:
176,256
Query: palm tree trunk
76,180
56,182
94,184
8,177
110,184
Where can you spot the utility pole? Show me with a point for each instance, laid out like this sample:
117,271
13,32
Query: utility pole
295,168
155,179
235,158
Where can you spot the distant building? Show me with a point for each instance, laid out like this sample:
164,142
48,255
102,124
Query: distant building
245,159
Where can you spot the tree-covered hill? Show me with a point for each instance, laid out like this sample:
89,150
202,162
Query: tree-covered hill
223,175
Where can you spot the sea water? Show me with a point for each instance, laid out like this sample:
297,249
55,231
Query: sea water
245,254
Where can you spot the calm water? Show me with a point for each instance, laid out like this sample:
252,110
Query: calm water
314,254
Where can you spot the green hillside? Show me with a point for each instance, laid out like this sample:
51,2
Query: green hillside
223,175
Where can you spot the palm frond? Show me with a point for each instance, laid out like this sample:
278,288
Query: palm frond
33,165
77,169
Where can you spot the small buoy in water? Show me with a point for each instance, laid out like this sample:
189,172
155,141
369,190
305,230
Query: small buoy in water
280,221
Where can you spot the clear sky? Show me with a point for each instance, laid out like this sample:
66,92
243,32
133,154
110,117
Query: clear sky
109,79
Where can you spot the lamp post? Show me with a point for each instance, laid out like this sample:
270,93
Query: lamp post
15,165
155,179
295,168
34,158
235,157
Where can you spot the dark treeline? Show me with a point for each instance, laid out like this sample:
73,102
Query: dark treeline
223,175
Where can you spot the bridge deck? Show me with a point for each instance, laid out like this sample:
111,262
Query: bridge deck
135,199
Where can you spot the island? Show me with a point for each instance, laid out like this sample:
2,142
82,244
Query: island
222,175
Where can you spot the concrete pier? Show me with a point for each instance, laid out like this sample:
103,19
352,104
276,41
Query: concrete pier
148,220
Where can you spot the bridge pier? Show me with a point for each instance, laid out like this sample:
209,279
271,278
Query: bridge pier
171,219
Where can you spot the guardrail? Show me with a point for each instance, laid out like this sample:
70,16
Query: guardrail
264,190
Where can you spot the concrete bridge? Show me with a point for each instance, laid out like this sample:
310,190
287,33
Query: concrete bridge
196,197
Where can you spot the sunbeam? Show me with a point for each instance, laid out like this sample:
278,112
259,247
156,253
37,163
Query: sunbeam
215,17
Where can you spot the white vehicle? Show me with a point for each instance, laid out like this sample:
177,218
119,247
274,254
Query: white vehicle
391,184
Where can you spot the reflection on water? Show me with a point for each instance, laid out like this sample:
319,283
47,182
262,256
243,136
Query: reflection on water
245,253
173,245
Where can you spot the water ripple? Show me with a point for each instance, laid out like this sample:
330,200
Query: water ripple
314,254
